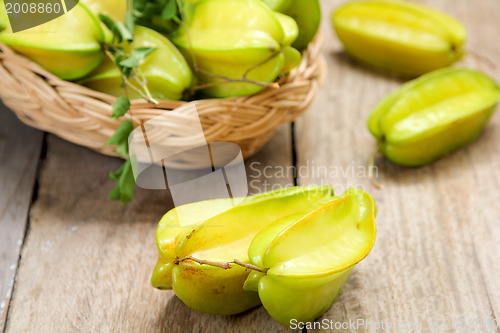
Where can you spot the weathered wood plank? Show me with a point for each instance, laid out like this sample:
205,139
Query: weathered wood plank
20,148
438,241
87,261
483,159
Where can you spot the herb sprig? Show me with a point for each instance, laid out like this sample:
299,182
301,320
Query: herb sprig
127,60
164,16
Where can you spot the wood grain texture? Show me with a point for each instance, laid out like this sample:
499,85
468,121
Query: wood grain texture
437,252
87,261
20,148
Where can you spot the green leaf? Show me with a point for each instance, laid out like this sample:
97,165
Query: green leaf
122,133
139,6
160,15
118,58
127,183
170,10
138,13
126,71
150,10
122,148
137,57
120,107
124,32
112,26
142,52
108,21
115,193
116,174
131,62
129,21
124,189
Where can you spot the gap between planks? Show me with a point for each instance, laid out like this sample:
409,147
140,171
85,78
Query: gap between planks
20,150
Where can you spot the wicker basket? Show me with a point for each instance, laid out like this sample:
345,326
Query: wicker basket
83,116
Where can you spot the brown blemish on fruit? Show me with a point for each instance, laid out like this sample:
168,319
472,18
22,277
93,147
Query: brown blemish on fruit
191,234
219,291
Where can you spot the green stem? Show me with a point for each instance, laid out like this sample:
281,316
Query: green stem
146,95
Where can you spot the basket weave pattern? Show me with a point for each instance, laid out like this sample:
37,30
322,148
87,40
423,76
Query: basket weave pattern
83,116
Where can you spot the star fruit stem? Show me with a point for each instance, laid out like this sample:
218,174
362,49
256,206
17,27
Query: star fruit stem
221,264
146,96
371,166
224,79
481,58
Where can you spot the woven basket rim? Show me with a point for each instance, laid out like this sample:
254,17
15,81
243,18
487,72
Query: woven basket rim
83,116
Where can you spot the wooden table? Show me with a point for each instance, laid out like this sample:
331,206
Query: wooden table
71,260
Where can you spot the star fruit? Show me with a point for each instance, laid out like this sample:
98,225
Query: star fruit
433,115
68,46
306,262
399,36
166,71
307,14
240,40
116,9
216,231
